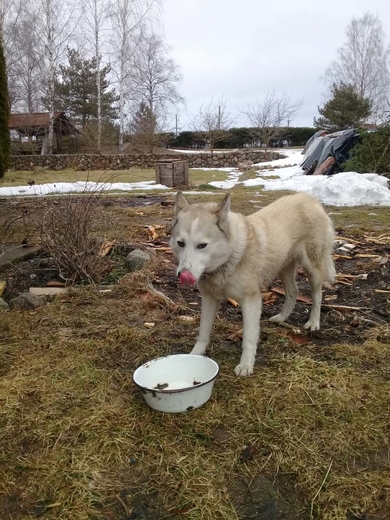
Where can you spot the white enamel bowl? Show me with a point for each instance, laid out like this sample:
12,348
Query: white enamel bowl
177,383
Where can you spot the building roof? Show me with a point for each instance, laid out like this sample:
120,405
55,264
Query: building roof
37,119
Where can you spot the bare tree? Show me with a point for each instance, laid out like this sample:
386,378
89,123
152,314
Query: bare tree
155,78
10,14
129,21
96,14
212,122
270,116
27,71
57,23
363,61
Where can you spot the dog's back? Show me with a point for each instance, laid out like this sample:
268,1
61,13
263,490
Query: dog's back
295,229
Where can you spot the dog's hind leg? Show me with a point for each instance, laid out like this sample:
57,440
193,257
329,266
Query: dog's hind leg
210,307
316,279
291,288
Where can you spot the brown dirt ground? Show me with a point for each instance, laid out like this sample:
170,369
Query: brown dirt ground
78,441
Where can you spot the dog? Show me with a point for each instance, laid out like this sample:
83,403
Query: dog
230,255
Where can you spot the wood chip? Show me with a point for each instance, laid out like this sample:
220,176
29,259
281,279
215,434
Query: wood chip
233,302
187,319
54,283
106,247
47,290
348,239
385,291
3,285
336,257
149,325
330,297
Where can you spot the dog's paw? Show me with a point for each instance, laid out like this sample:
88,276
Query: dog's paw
312,325
244,369
278,318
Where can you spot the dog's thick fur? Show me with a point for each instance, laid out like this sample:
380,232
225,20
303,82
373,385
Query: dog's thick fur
240,256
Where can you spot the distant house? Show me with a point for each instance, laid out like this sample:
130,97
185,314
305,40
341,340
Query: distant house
29,132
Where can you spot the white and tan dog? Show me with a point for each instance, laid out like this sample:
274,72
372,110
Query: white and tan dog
232,256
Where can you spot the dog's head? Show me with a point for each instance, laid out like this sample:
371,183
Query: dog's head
200,237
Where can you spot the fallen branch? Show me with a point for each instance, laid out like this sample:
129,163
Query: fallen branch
346,307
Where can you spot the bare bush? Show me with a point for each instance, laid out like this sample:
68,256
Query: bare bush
68,235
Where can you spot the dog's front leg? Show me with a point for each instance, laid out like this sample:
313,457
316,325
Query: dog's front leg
210,306
251,312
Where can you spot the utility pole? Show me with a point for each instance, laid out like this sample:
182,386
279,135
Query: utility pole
176,125
219,117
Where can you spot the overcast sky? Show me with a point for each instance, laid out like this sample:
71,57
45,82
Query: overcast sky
242,49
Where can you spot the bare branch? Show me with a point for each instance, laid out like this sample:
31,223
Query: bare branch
212,122
270,116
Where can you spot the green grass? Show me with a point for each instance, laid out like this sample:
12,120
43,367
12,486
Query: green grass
42,176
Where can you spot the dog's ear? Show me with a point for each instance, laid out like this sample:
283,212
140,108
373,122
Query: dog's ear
223,208
180,202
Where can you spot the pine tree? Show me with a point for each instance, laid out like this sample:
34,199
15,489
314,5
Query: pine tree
143,128
5,142
346,109
76,91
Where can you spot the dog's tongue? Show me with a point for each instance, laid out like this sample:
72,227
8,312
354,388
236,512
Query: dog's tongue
187,278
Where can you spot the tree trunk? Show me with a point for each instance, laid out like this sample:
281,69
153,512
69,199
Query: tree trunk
51,110
98,82
121,108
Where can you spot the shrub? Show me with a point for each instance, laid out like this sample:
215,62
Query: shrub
372,154
68,235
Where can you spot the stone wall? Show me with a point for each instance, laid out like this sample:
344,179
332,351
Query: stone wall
124,162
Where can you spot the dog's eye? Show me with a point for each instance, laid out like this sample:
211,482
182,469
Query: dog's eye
180,243
201,246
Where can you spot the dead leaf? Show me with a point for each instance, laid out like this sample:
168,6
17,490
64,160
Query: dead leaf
236,335
298,339
219,434
2,286
152,233
247,453
300,298
106,247
267,296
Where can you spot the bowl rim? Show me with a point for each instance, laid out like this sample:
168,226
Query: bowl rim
176,390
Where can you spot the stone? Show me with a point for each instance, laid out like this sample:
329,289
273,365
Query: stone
3,305
28,301
136,260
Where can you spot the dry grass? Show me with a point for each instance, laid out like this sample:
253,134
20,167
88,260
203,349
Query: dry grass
75,432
